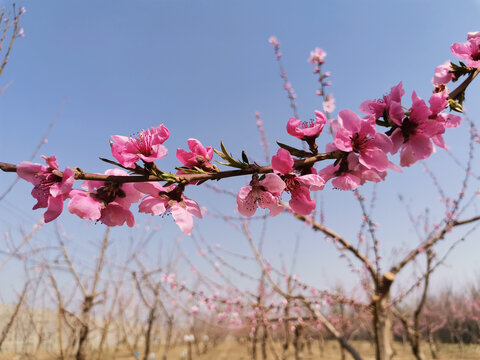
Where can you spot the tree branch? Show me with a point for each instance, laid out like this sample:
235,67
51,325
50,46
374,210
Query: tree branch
252,169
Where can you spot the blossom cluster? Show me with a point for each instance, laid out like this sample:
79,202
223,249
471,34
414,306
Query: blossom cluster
109,202
361,149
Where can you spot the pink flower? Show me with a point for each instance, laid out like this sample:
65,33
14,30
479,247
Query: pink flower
49,189
438,103
472,35
194,310
329,104
262,193
442,74
298,186
414,133
307,130
317,56
274,41
161,200
146,146
198,155
349,173
358,135
470,50
389,107
106,202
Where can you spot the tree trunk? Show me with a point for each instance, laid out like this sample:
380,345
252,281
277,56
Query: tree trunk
382,324
297,342
321,344
264,343
189,350
254,344
342,316
433,346
84,329
148,334
309,346
168,340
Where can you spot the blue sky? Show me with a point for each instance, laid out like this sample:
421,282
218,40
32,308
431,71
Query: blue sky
203,68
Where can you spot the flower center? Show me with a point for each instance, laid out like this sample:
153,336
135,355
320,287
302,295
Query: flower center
360,142
143,143
107,193
307,124
342,167
48,180
291,182
409,128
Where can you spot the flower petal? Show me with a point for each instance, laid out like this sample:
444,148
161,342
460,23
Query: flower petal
282,162
183,219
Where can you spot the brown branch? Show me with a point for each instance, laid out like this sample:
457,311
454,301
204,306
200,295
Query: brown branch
315,312
252,169
108,320
463,86
37,149
100,262
16,19
424,246
346,245
26,239
7,327
432,268
72,269
60,310
140,292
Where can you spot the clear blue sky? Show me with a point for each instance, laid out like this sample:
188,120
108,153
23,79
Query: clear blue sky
203,68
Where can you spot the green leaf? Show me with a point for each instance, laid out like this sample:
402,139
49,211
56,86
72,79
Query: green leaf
223,163
294,151
195,170
170,178
455,106
244,157
230,161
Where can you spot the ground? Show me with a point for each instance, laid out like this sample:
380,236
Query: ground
236,351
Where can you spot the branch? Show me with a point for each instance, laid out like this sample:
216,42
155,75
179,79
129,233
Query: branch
424,246
421,304
139,288
26,239
315,312
72,269
343,342
186,178
7,327
463,86
100,262
16,19
347,246
432,268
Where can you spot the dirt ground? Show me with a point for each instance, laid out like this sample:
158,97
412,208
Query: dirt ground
235,351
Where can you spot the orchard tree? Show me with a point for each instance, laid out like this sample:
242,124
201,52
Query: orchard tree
361,151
